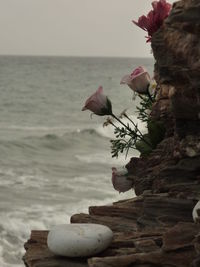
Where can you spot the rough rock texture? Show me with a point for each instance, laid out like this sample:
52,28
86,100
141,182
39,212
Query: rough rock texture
156,228
149,230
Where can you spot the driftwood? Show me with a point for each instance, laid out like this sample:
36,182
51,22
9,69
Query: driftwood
155,228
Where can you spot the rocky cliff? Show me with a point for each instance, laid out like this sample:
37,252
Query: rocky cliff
156,228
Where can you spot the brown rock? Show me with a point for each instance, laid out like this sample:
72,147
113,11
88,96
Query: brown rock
181,236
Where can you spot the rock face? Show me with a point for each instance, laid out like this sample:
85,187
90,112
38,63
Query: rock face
156,228
175,165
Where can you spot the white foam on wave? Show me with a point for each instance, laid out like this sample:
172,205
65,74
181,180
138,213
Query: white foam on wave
16,226
104,158
10,177
107,131
35,128
4,264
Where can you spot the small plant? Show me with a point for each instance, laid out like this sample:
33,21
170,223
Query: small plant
128,135
132,138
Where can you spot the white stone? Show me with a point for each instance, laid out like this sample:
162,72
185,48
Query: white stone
194,212
79,240
190,152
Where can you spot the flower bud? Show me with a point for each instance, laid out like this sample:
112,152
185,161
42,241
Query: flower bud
138,80
98,103
120,181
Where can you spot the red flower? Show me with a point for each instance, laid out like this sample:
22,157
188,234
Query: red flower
154,19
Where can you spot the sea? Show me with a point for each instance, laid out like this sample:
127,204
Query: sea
55,160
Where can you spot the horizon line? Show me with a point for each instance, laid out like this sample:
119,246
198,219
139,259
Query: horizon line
72,56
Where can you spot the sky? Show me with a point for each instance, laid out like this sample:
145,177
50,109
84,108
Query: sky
73,28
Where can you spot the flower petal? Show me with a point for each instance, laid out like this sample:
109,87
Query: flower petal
98,103
126,79
120,181
154,19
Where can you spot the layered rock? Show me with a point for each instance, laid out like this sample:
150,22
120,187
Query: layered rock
175,165
156,228
149,230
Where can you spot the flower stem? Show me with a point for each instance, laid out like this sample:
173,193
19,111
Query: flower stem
115,117
148,93
126,116
132,132
113,125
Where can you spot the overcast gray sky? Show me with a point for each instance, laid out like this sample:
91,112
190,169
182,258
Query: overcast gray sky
73,27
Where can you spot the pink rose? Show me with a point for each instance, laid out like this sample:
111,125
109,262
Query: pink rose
120,181
138,80
154,19
98,103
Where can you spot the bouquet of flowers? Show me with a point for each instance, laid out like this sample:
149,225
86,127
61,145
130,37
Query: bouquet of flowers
128,135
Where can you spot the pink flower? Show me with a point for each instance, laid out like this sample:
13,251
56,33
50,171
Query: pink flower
154,19
98,103
120,181
138,80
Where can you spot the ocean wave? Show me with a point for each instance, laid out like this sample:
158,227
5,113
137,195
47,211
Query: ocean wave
89,145
51,132
51,141
103,158
86,131
16,225
34,128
